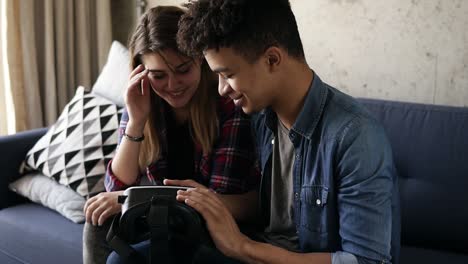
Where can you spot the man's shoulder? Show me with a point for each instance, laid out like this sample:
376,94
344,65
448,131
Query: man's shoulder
343,112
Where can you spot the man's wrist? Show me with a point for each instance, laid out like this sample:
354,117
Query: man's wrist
245,250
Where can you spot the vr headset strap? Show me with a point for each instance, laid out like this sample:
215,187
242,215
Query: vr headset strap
158,222
128,253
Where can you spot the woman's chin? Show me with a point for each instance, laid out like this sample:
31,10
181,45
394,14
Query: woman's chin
178,103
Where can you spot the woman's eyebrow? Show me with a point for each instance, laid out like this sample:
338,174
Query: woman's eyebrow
177,67
156,70
183,64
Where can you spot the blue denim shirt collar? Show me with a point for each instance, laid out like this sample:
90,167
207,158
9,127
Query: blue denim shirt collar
312,110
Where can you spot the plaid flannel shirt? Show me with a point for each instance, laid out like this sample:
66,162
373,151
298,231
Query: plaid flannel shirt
231,167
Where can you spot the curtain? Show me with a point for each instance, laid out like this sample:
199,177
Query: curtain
50,47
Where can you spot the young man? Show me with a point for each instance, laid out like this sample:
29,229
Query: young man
329,187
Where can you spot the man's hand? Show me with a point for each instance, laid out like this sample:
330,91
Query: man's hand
219,221
100,207
184,183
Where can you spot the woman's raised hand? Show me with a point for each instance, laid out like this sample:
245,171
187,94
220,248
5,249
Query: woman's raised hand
137,97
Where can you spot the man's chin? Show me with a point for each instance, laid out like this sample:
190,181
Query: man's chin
249,110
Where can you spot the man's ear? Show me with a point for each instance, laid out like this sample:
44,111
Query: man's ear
273,57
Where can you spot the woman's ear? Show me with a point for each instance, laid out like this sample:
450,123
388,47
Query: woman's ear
199,61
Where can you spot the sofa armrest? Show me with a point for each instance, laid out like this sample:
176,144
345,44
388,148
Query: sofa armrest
13,149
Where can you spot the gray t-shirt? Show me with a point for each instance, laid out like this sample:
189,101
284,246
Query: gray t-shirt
281,230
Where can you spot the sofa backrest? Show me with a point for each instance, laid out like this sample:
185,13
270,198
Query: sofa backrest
430,147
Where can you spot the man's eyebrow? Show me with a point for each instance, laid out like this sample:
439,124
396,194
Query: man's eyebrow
221,69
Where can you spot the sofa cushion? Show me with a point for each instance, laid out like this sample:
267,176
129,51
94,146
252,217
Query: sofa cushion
21,143
430,146
411,255
34,234
76,149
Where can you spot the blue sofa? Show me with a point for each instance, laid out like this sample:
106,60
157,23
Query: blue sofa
430,145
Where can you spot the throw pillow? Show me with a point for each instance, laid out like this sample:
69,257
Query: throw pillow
43,190
76,149
113,80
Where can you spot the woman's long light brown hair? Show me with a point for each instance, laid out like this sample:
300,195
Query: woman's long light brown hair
157,31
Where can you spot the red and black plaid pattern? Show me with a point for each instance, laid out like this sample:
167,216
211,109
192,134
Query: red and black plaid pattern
231,167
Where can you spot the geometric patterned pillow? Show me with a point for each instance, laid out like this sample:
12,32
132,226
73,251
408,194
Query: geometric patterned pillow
76,149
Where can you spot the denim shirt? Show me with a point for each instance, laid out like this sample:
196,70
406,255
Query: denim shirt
345,183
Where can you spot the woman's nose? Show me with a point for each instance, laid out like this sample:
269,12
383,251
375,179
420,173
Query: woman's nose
172,83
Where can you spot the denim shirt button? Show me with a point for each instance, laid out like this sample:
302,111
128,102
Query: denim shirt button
273,141
296,196
318,202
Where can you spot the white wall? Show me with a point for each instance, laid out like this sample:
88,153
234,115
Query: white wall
407,50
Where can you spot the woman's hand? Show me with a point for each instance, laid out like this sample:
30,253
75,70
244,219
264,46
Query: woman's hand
137,98
100,207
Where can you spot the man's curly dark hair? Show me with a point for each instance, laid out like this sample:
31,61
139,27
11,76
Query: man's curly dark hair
249,27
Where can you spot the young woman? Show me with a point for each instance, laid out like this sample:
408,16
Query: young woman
176,131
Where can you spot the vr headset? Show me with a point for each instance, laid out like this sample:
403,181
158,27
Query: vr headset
153,213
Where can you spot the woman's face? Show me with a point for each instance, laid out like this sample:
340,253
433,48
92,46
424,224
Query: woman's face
172,76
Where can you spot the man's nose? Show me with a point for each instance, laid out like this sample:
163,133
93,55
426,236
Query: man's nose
224,89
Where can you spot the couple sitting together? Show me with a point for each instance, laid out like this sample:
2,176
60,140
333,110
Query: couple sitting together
221,99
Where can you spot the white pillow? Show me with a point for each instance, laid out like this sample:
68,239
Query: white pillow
47,192
113,79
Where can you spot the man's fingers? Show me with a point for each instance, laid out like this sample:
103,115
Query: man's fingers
205,194
208,211
186,183
205,203
208,192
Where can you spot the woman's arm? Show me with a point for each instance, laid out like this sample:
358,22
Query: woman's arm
124,169
125,163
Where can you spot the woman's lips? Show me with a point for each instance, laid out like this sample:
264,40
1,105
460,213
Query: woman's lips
177,94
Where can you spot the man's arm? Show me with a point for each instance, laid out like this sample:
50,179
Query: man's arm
231,242
257,252
365,187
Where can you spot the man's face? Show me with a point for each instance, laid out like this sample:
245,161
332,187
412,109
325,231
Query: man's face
248,84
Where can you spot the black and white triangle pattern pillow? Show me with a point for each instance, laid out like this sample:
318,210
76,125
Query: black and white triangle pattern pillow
76,149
